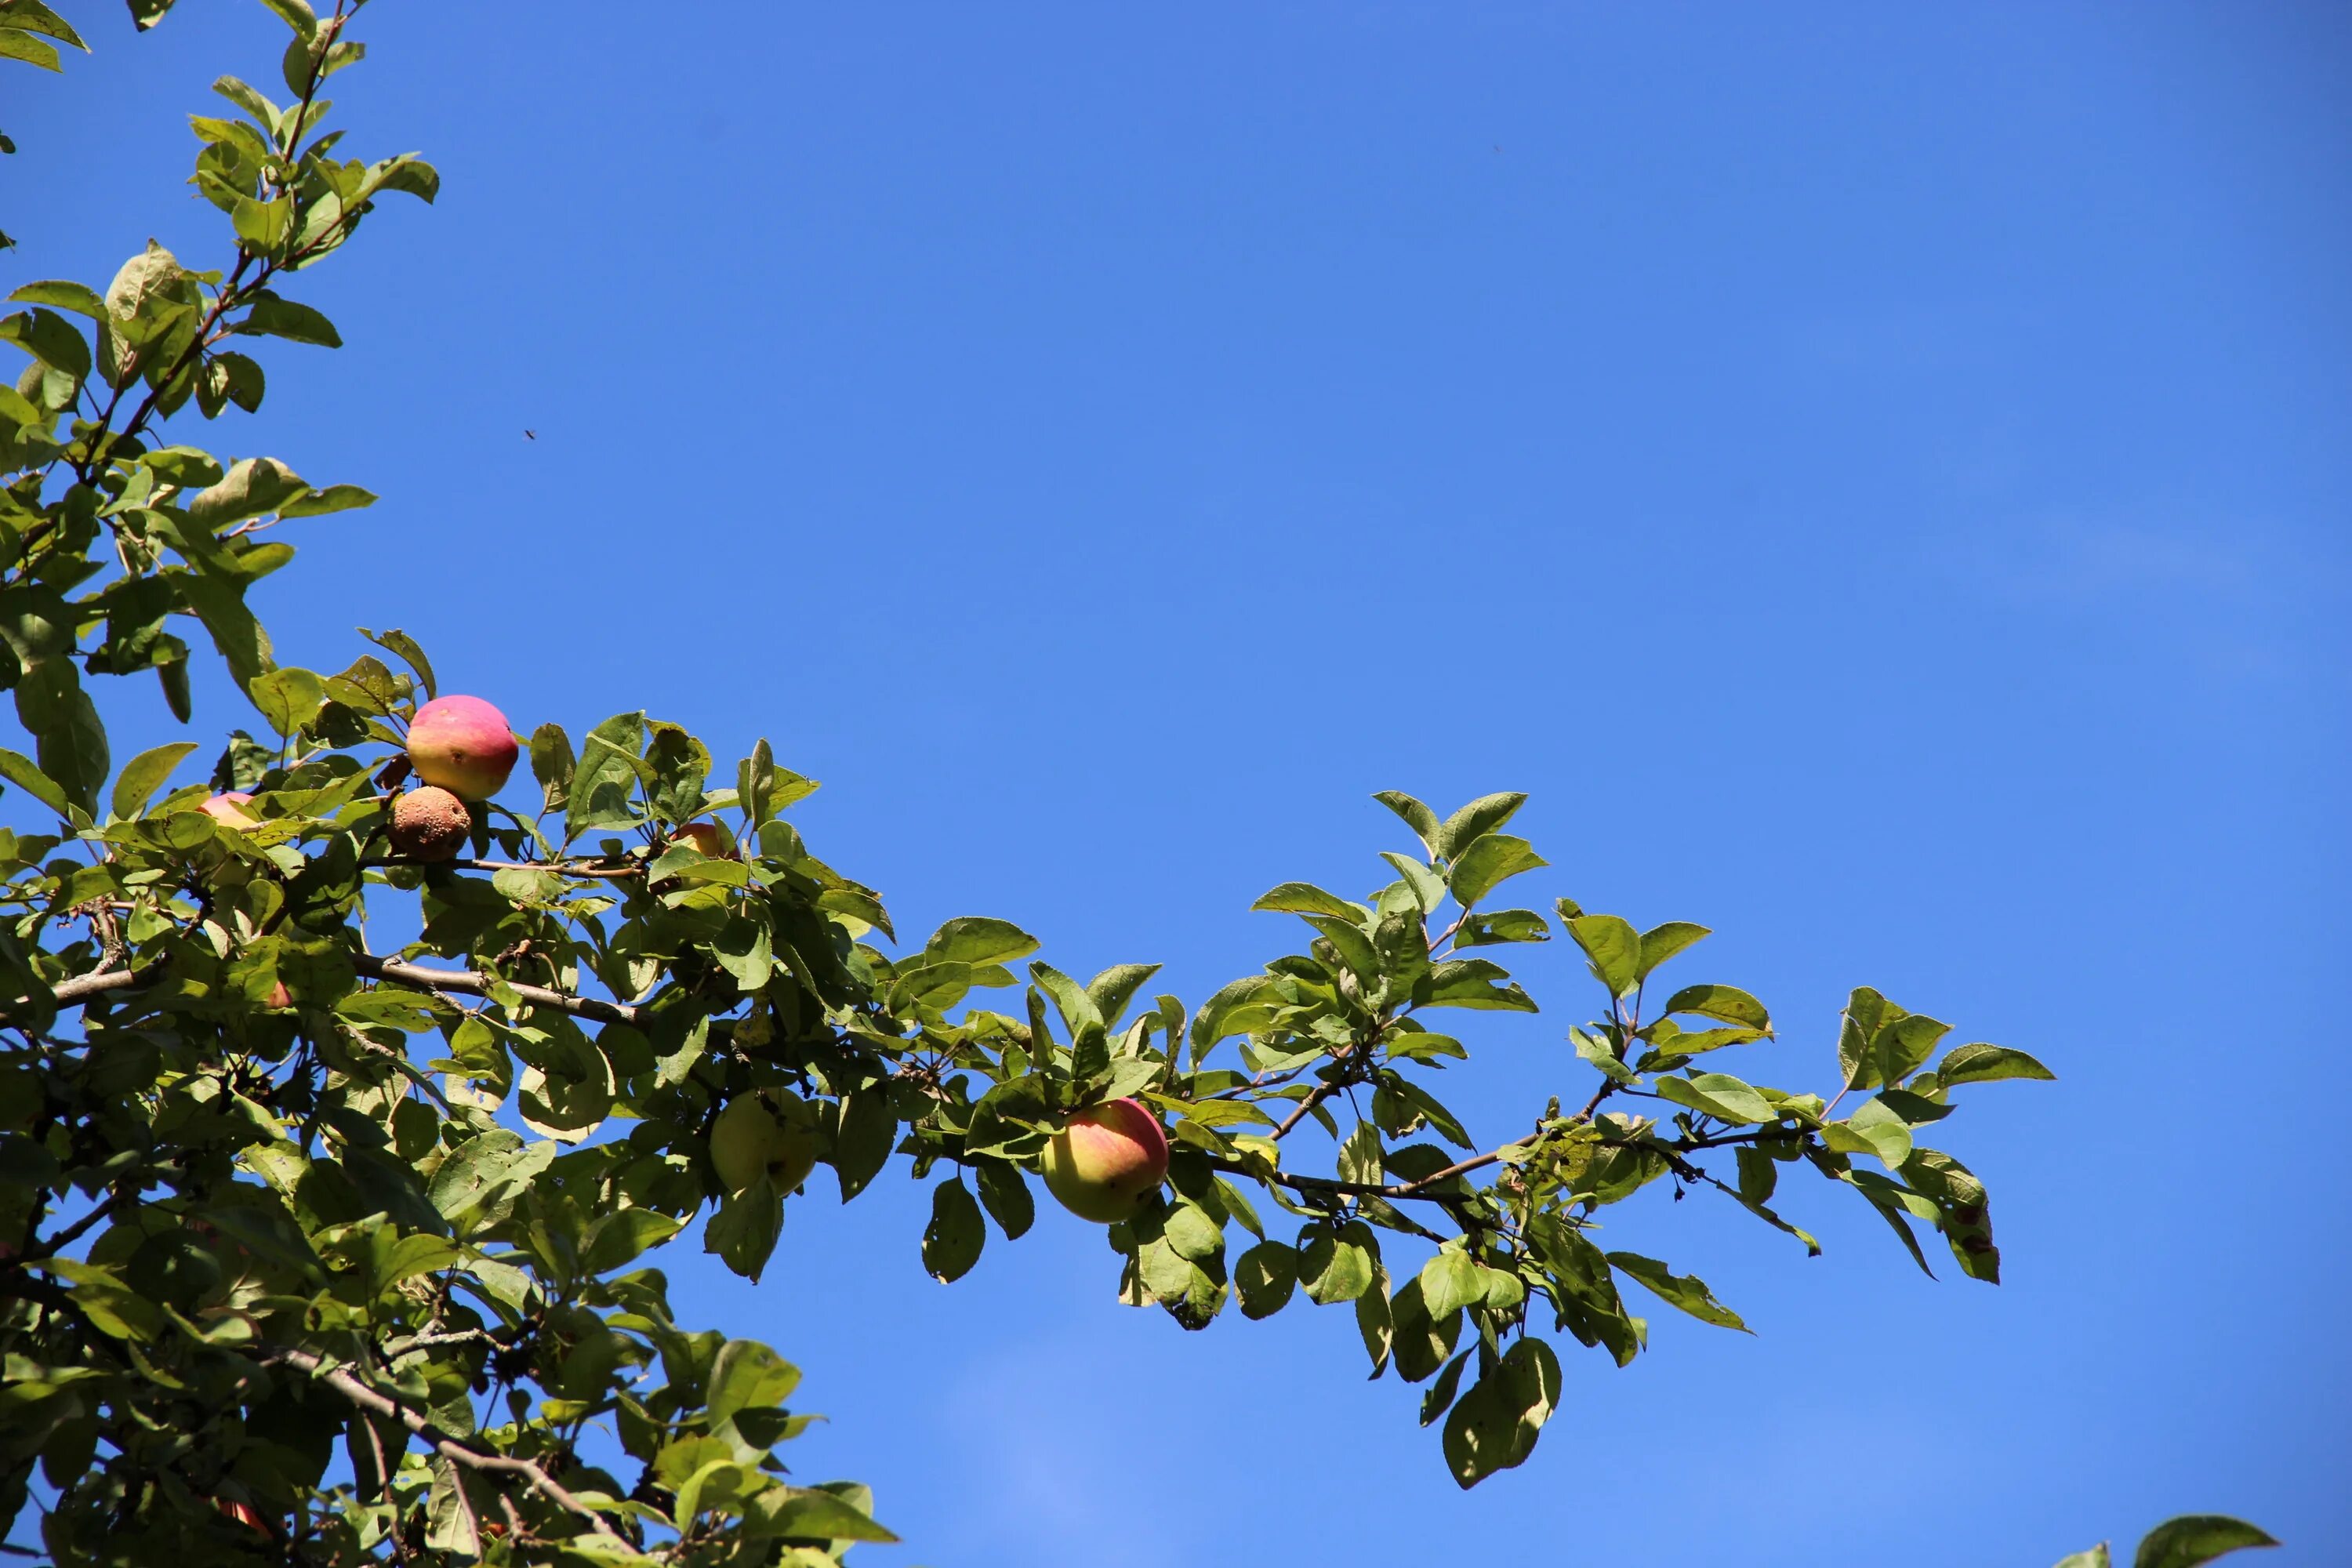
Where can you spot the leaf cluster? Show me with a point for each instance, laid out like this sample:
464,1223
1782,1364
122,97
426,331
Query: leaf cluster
334,1254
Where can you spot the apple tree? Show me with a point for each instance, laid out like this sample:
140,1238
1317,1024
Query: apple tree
319,1254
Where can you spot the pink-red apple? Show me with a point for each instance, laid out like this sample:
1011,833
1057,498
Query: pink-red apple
1104,1159
228,809
429,823
772,1133
246,1514
463,745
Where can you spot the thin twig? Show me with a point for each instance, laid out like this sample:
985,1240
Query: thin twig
473,984
449,1446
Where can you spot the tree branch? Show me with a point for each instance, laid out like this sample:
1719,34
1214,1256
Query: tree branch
448,1446
83,986
472,984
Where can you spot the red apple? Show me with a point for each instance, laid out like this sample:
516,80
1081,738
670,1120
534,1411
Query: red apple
280,996
463,745
1104,1159
229,809
706,836
429,823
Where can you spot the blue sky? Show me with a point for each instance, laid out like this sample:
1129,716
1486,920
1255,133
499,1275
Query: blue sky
1876,475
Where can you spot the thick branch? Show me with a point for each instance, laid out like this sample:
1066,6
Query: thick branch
83,986
449,1447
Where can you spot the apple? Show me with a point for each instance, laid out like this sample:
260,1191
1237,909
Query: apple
429,823
280,996
709,837
772,1132
463,745
1104,1159
228,809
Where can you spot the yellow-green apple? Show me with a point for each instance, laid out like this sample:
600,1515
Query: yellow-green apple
1104,1159
463,745
228,809
708,838
770,1133
429,823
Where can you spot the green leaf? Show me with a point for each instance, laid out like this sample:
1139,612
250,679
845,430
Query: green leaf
272,317
1336,1265
1079,1014
1266,1276
298,16
807,1513
608,776
1687,1292
1661,943
1006,1193
1595,1049
22,772
1440,1394
334,498
145,13
1901,1045
51,339
144,774
1423,1339
2096,1557
1613,949
1982,1063
253,487
1490,861
399,642
80,298
1450,1280
1502,925
951,1242
616,1239
1428,887
1719,1095
743,1232
977,940
862,1143
2195,1537
748,1375
1728,1003
1417,817
287,697
553,765
17,45
1494,1426
1481,817
1305,898
1355,949
264,226
1115,988
1872,1128
72,750
34,17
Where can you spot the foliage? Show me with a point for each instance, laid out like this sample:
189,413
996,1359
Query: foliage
318,1255
2182,1543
